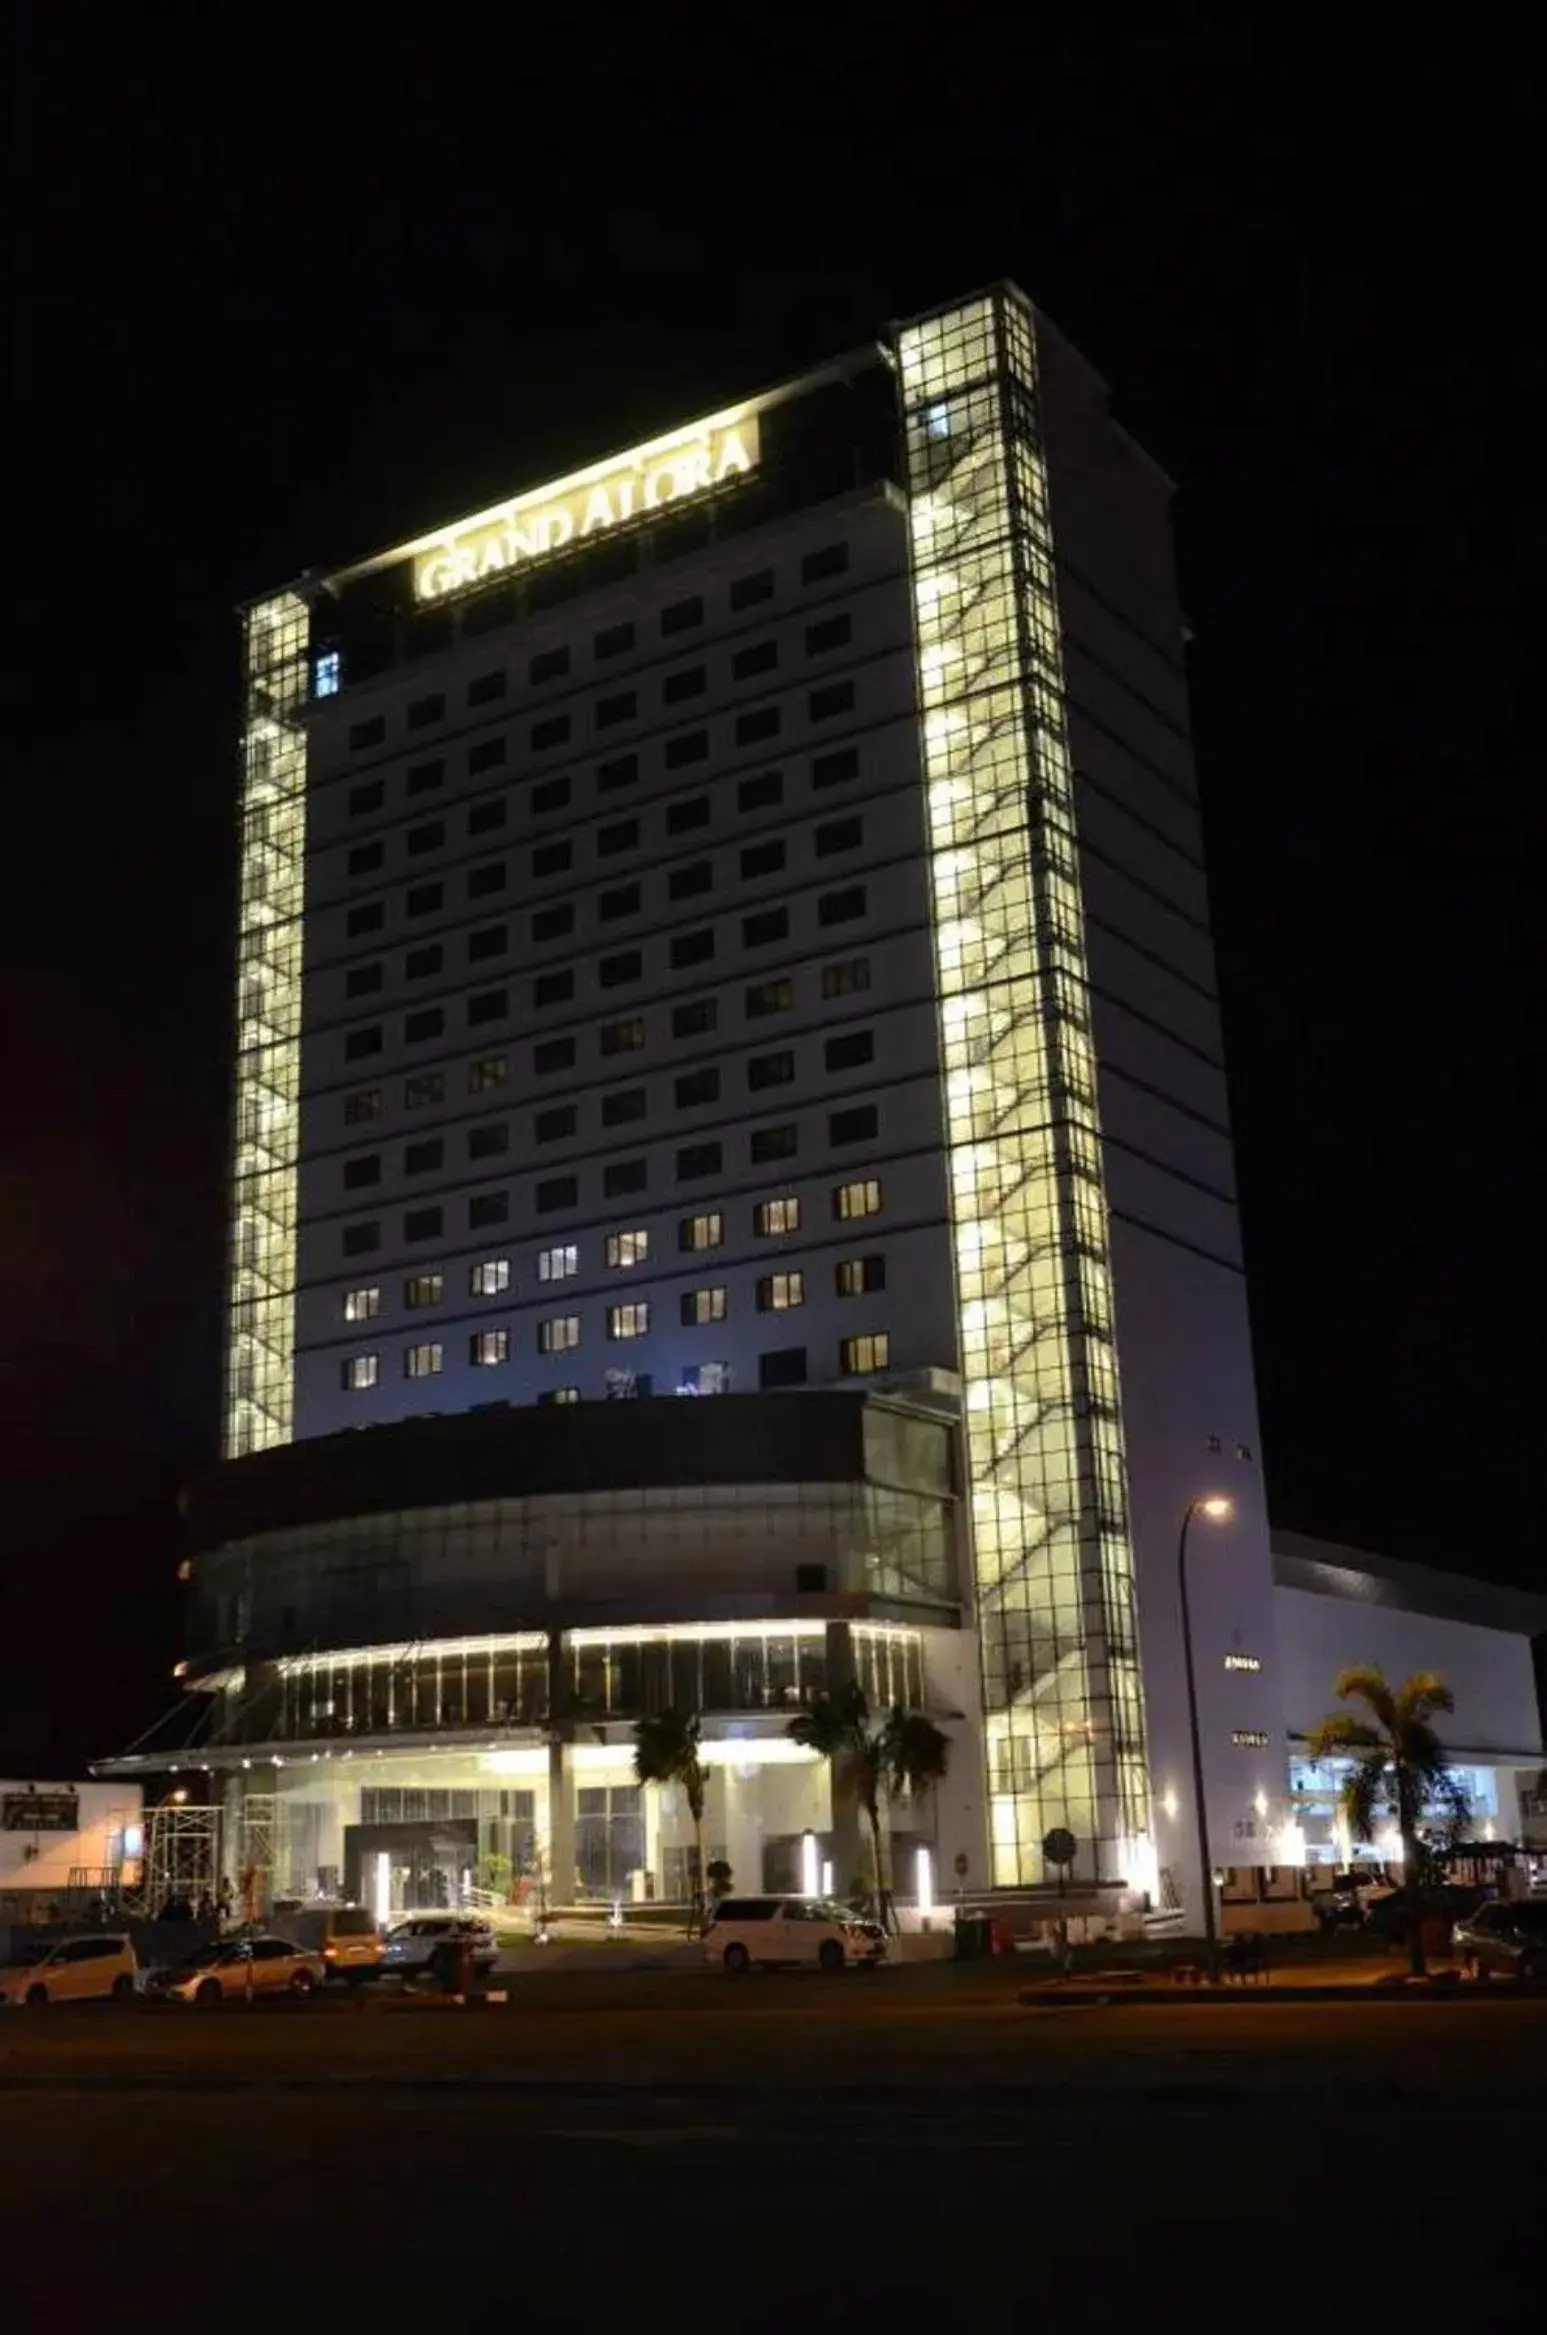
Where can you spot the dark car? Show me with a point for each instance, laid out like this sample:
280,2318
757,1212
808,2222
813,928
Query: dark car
1454,1902
1509,1935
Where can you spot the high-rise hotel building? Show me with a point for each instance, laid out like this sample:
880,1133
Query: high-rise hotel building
731,923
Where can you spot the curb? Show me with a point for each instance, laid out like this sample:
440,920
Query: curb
1229,1997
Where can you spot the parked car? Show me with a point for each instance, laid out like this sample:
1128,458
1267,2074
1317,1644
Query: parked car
1349,1899
239,1967
764,1931
345,1936
1452,1902
1505,1934
76,1970
410,1944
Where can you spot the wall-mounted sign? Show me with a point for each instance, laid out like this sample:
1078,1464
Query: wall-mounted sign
669,470
40,1812
1249,1738
1243,1662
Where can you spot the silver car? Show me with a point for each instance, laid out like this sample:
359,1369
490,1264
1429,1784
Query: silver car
1508,1935
412,1943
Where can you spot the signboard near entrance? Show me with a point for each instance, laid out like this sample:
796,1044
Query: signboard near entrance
40,1812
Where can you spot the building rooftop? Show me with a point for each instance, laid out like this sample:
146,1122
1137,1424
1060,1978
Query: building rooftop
1329,1569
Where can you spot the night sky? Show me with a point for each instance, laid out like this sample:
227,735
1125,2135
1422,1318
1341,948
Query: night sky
285,303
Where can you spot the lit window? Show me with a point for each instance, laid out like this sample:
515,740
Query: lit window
361,1371
702,1305
424,1289
859,1199
705,1378
490,1277
867,1352
857,1276
779,1291
627,1248
559,1334
365,1103
424,1361
629,1321
560,1394
486,1347
776,1216
701,1232
328,673
558,1264
489,1070
362,1305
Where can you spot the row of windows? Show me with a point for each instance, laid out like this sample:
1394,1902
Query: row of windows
858,1356
614,640
684,883
492,814
608,712
491,1277
696,1017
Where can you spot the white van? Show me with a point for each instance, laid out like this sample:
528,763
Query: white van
77,1970
763,1931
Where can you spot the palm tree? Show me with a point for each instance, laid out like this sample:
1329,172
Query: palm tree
907,1752
1398,1765
666,1752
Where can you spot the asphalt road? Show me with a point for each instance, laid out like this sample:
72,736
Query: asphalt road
790,2152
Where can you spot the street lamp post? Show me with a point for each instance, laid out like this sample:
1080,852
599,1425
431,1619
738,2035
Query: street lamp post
1217,1509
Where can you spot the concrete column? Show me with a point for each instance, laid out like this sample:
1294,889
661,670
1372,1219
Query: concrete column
851,1848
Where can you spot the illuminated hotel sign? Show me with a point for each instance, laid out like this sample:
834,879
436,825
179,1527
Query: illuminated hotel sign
670,470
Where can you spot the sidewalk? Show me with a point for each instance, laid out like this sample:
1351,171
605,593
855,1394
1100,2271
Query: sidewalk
1354,1978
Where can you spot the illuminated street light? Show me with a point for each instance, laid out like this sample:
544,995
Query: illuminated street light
1218,1509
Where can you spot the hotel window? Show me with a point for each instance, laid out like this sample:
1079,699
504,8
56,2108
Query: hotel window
689,746
420,1158
424,899
487,1208
770,1143
559,1394
769,924
489,1070
425,777
371,733
370,917
558,1334
769,997
841,907
360,1371
762,792
327,674
553,859
624,1176
856,1126
627,1248
697,1306
553,1054
622,1037
363,980
701,1232
836,698
858,1199
424,1289
552,732
485,688
705,1378
559,1263
624,1108
622,900
486,1347
697,1086
557,1192
548,665
549,1126
699,1159
364,1170
629,1321
491,940
425,710
620,707
425,1361
622,835
846,979
688,683
365,859
869,1351
696,1019
490,1005
682,614
613,640
420,963
361,1305
753,728
364,1103
766,1070
783,1366
622,770
839,835
778,1292
491,877
552,795
423,1223
489,1277
487,818
360,1239
553,988
362,1042
859,1276
747,591
490,1141
771,1217
692,811
687,883
429,837
553,923
612,971
851,1051
692,948
831,560
761,657
835,769
833,632
761,859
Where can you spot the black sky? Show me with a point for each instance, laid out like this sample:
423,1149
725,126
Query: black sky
284,302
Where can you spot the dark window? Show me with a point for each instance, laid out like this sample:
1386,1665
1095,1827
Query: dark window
622,770
549,665
688,683
553,988
551,1126
553,1054
837,697
487,818
770,1070
763,722
850,1051
424,1088
831,560
486,688
488,754
769,1143
430,837
491,940
843,980
489,1141
769,924
622,835
841,907
782,1366
362,980
551,732
690,746
425,777
365,859
489,878
808,1577
697,1086
839,835
420,963
612,641
360,1239
757,794
424,899
856,1126
699,1159
489,1070
428,1022
682,614
370,916
762,859
553,923
425,710
366,1104
747,591
486,1208
423,1223
553,859
371,733
362,1042
859,1276
419,1159
552,795
557,1192
835,769
622,900
363,1170
832,633
489,1005
620,708
627,966
692,948
686,883
761,657
696,1019
620,1110
769,997
622,1037
369,797
692,811
625,1175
